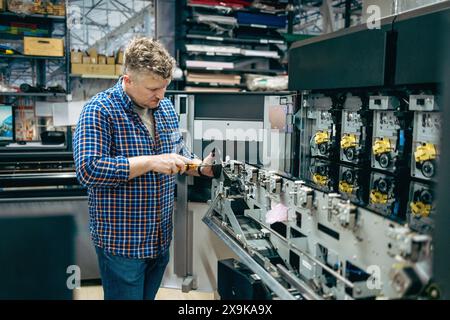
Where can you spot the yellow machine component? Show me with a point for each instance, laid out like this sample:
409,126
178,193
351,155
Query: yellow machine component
377,197
321,137
348,141
381,145
424,152
320,179
345,187
420,209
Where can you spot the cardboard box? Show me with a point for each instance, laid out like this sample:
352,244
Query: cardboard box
119,57
47,7
92,52
86,60
119,69
93,69
39,8
34,46
76,56
20,7
55,9
110,60
101,59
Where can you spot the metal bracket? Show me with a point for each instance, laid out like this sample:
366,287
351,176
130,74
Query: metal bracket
189,283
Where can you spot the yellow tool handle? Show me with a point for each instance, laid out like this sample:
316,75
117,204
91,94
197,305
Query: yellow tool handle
191,166
195,166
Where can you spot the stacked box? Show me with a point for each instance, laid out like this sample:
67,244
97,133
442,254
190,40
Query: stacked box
101,59
120,57
35,46
76,56
96,69
47,7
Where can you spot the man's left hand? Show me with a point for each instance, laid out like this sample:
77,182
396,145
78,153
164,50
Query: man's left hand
207,171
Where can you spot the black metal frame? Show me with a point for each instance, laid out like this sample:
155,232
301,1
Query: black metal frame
442,236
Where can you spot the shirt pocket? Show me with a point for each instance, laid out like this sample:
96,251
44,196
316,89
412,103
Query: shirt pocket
131,141
169,138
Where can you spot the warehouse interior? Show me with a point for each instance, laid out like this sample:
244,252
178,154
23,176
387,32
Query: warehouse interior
325,118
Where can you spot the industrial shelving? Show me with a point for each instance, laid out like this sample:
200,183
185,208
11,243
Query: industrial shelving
37,69
266,38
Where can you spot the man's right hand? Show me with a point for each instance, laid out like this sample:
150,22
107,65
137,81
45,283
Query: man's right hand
170,163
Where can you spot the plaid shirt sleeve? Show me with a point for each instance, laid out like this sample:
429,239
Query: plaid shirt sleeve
95,166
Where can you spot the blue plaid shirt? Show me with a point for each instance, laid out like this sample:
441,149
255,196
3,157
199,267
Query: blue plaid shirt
127,218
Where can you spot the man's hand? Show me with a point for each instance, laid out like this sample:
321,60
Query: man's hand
170,163
209,160
193,168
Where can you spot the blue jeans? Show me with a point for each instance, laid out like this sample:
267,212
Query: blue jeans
130,279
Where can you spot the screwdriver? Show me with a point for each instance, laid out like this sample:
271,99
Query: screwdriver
194,166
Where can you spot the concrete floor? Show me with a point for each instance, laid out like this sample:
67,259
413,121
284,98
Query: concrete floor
95,292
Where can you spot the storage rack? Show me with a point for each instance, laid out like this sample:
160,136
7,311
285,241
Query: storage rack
41,66
193,34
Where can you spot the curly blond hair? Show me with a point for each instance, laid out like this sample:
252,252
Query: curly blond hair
148,55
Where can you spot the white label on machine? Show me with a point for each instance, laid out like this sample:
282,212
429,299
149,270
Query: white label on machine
306,264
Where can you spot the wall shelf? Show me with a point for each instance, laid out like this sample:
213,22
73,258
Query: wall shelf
39,71
32,94
262,36
261,41
39,16
236,70
94,76
221,9
215,85
18,56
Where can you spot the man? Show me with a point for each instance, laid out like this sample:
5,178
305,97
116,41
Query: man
127,149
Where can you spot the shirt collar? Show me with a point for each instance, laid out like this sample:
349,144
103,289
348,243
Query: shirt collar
127,103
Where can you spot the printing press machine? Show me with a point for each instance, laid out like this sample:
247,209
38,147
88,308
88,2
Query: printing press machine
356,183
352,157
